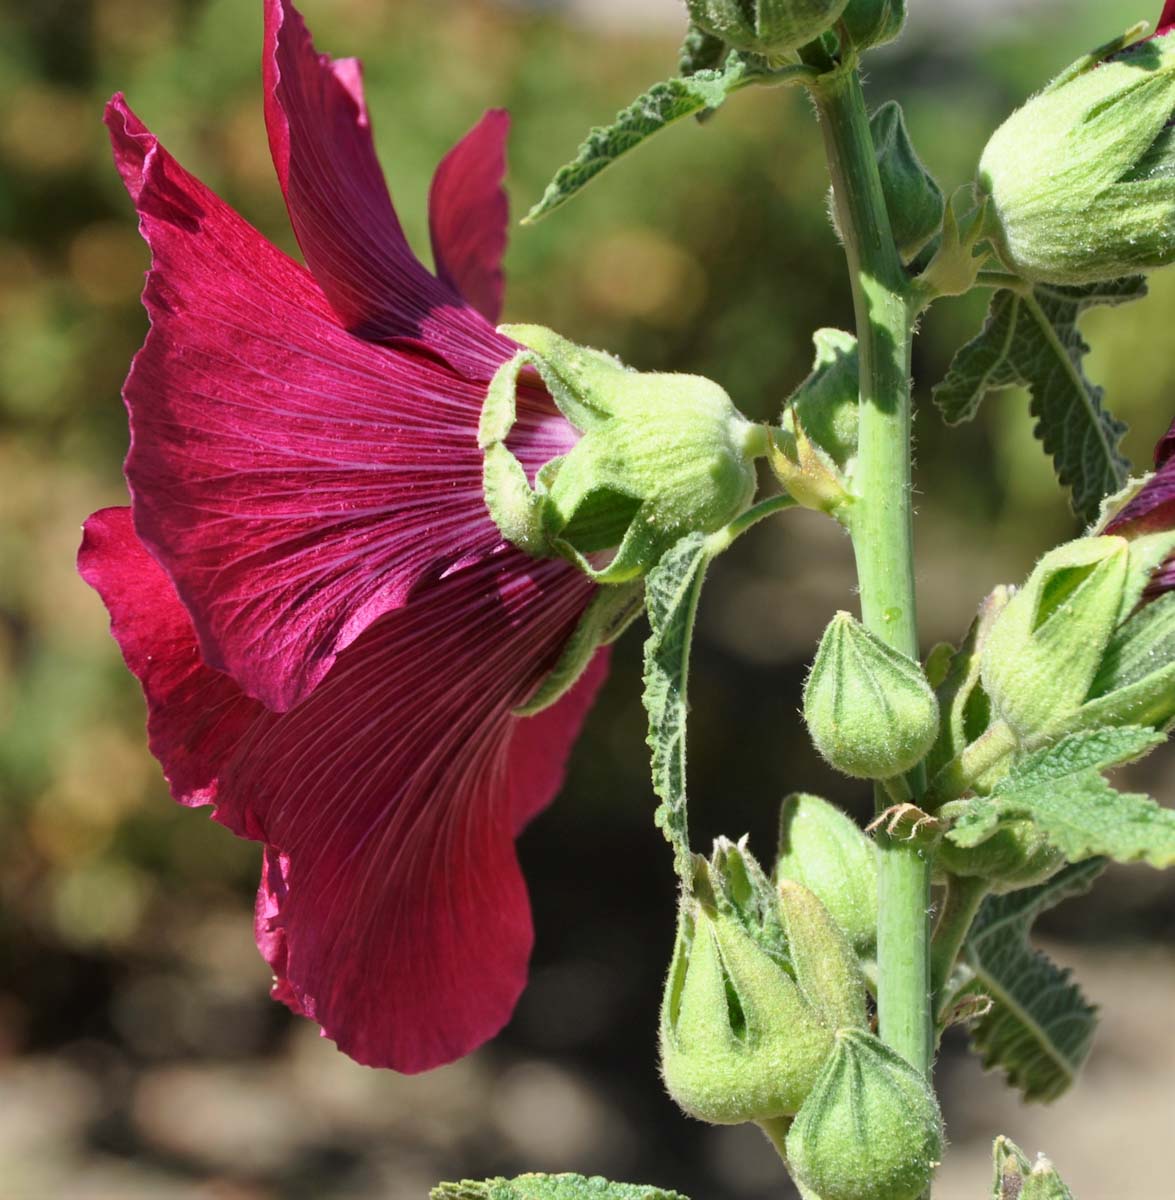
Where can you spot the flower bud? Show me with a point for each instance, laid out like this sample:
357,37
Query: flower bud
870,710
1082,178
767,27
869,1130
1045,648
874,22
1018,1179
825,407
913,199
821,848
660,456
1015,856
738,1041
823,960
755,992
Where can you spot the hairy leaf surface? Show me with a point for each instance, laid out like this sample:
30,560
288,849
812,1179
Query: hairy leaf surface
662,105
1061,790
671,596
549,1187
1031,339
1040,1027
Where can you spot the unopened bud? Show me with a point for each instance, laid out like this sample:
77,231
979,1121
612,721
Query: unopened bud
1018,1179
825,407
869,709
874,22
767,27
913,199
1016,856
738,1041
755,992
1082,178
821,848
824,963
869,1130
659,457
1045,648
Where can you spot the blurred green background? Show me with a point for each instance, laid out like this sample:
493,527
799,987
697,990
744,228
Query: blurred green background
139,1054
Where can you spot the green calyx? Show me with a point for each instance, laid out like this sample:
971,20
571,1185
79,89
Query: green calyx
1018,1179
822,849
813,450
873,22
760,981
913,199
869,1130
660,456
1016,856
870,710
767,27
825,407
1081,179
1074,649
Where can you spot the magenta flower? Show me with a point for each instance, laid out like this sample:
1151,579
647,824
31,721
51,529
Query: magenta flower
1153,509
1167,19
331,635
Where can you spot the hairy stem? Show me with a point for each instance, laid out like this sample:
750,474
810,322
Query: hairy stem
882,527
963,898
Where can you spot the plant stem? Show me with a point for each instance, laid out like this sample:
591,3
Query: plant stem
881,524
963,898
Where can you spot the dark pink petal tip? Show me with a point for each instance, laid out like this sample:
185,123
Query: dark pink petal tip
391,908
469,214
1153,509
1167,19
342,214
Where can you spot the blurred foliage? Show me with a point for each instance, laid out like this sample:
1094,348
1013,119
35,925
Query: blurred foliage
124,921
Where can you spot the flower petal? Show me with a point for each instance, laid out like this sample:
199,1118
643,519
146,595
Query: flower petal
295,481
342,214
195,714
392,907
1153,509
1167,19
1166,444
468,214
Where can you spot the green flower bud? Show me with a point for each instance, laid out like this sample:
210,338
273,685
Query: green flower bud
1018,1179
758,985
768,27
660,456
821,848
1015,856
913,199
1047,645
870,1130
825,407
1082,178
874,22
870,710
824,963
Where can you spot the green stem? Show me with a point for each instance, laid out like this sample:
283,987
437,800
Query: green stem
882,526
963,898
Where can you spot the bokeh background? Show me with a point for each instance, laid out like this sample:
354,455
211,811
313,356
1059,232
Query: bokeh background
139,1054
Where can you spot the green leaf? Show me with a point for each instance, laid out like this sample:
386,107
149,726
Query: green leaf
1085,817
1077,754
672,590
549,1187
1018,1179
660,106
1031,339
1040,1027
1079,813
